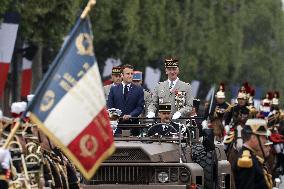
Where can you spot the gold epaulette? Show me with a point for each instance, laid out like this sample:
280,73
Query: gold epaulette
230,106
229,137
245,161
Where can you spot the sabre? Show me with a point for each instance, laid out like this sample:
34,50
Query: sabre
211,103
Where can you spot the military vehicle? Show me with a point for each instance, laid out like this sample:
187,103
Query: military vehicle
160,157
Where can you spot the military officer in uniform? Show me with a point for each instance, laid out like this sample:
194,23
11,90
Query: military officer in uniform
238,114
173,90
165,115
116,79
137,80
249,169
252,109
220,107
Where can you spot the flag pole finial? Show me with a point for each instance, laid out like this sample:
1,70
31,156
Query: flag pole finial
87,9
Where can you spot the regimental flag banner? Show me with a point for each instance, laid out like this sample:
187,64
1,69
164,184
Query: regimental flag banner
69,106
8,35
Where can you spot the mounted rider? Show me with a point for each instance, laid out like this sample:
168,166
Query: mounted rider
238,114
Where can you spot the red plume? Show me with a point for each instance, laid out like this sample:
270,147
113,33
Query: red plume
252,92
222,87
269,95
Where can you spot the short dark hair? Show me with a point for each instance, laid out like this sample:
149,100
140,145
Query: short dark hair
127,66
246,135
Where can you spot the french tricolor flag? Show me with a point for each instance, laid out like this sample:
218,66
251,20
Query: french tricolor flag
69,105
8,34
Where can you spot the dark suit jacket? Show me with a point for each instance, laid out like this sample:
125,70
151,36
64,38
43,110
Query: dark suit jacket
133,105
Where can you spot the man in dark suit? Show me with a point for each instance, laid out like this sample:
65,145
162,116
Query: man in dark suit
126,96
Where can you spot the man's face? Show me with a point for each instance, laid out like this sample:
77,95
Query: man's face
255,142
220,100
127,75
116,78
137,82
172,73
241,101
165,117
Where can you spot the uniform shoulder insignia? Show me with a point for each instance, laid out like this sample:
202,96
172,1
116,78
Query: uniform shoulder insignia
228,108
229,105
245,161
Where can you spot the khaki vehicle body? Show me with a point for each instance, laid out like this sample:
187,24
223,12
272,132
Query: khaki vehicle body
142,163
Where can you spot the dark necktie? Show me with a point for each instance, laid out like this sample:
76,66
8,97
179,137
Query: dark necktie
171,85
125,91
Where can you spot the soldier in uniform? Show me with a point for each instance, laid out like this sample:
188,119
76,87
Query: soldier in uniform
238,114
220,107
252,109
274,114
165,116
173,90
137,80
265,106
116,79
249,169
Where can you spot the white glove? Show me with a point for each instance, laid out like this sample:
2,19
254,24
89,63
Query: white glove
150,115
113,125
227,129
5,157
204,124
176,115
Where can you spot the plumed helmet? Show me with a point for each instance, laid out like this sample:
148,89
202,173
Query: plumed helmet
221,92
256,126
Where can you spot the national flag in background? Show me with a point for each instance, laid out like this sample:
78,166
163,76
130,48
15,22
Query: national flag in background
69,105
8,35
28,52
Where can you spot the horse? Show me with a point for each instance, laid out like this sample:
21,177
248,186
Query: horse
218,128
234,142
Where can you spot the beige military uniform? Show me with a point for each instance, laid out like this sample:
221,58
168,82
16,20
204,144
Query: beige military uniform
163,93
107,90
147,99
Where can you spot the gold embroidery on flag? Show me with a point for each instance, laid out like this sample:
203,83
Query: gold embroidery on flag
47,101
88,146
84,44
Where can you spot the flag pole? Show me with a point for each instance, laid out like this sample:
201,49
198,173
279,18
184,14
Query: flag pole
87,9
12,134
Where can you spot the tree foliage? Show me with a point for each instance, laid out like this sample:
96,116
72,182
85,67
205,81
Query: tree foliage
224,40
216,40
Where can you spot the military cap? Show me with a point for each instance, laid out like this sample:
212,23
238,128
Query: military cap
256,126
116,70
165,107
171,63
137,76
113,112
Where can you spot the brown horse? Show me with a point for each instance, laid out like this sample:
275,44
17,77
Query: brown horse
218,128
